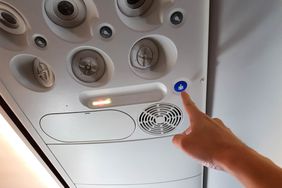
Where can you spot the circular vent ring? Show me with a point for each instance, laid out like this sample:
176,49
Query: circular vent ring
11,20
160,119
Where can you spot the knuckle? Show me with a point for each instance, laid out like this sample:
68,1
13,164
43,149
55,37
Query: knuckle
217,120
182,144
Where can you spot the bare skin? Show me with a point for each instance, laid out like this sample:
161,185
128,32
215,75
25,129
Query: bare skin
209,141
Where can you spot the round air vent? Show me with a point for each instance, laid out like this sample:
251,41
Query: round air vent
152,56
43,73
66,13
159,119
32,72
11,20
8,19
144,54
134,8
88,65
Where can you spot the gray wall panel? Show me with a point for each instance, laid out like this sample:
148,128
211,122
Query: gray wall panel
245,84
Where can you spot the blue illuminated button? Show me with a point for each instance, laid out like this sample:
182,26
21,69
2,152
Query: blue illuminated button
180,86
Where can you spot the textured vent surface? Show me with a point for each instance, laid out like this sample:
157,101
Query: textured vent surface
159,119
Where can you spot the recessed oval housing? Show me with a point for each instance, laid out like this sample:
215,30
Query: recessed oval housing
121,96
104,125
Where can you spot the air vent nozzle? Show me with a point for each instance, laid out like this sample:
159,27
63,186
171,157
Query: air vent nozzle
66,13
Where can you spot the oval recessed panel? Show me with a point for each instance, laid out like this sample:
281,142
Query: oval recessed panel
104,125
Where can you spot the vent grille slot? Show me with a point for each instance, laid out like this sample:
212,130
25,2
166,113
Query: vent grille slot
159,119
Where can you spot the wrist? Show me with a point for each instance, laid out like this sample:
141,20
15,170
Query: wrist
230,155
249,167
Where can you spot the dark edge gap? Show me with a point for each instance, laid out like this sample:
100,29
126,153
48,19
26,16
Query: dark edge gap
212,42
29,138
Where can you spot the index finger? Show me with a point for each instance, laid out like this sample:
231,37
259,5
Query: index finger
192,110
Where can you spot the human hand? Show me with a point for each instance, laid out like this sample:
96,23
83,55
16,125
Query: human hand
206,139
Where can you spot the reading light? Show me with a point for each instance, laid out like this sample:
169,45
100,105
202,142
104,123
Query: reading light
102,102
22,151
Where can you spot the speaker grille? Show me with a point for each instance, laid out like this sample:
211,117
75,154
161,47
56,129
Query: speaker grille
159,119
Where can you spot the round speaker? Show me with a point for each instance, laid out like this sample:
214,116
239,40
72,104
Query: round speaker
11,20
66,13
134,8
88,65
159,119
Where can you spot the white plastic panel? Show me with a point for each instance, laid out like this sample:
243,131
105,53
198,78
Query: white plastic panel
121,96
182,56
139,162
64,97
102,125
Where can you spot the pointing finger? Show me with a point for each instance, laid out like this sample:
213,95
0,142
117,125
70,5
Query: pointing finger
192,110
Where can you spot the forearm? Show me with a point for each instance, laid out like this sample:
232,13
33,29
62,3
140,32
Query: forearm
250,168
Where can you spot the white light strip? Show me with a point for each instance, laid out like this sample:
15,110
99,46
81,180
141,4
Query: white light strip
23,152
102,102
